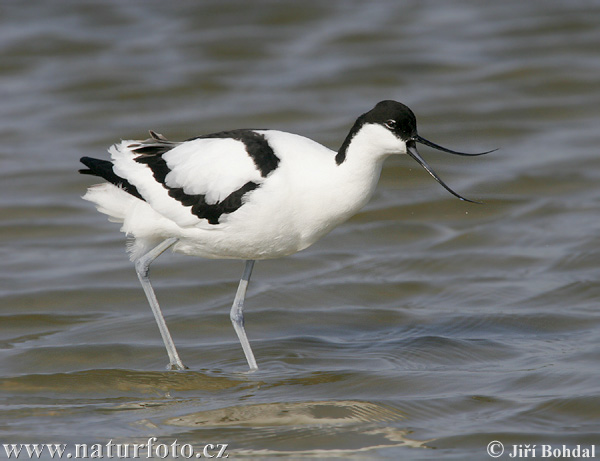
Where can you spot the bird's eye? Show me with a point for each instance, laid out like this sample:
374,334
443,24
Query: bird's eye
391,124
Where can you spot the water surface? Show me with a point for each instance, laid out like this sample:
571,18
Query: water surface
424,328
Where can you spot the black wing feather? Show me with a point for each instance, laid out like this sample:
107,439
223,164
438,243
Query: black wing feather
104,169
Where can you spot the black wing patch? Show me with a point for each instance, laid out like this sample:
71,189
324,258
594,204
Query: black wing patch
201,209
258,149
256,145
212,212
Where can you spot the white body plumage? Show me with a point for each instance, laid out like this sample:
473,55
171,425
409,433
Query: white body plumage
304,198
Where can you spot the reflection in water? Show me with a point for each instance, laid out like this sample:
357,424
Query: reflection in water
291,414
289,425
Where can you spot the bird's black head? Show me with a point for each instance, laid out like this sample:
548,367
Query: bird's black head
402,123
395,116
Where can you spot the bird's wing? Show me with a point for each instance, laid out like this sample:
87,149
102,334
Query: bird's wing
196,181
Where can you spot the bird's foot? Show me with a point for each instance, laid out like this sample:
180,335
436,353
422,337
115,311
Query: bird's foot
176,367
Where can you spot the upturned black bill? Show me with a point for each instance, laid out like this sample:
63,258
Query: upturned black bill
418,138
411,149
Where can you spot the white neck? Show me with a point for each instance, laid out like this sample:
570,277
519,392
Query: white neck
343,189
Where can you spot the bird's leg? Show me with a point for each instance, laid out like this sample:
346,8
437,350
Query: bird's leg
142,267
237,314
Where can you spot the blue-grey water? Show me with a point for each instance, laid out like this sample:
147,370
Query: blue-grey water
423,328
